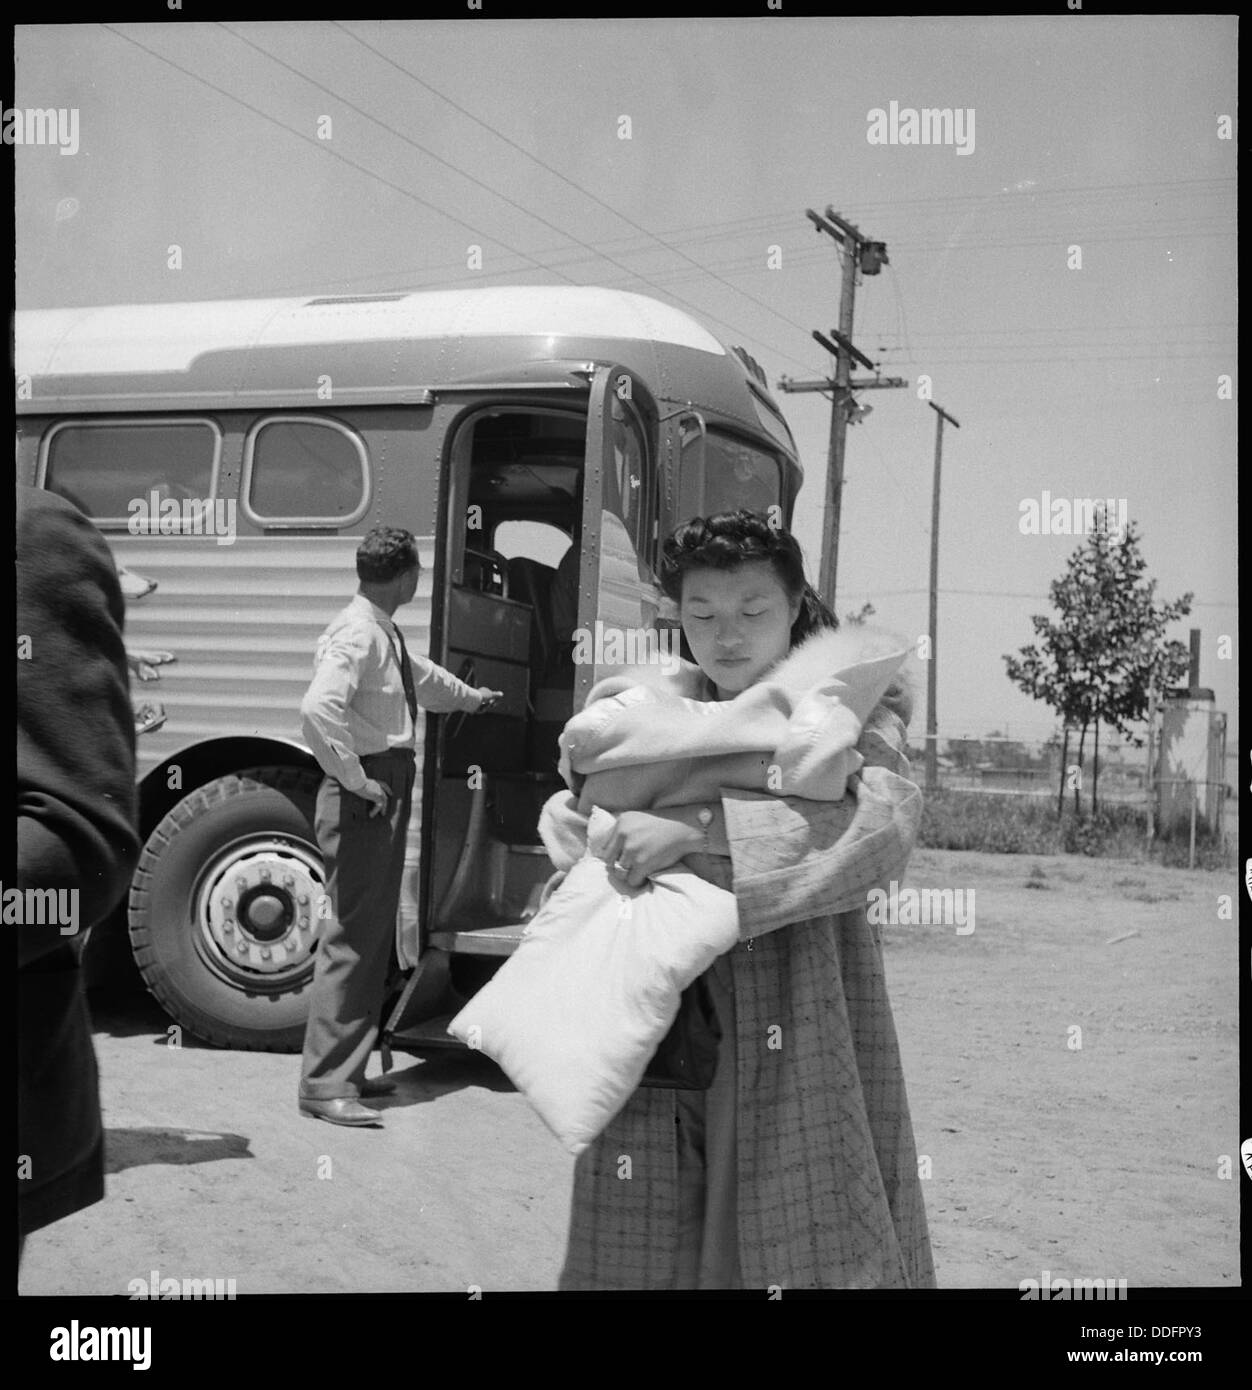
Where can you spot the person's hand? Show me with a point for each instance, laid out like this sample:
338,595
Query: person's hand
144,664
377,795
487,698
644,844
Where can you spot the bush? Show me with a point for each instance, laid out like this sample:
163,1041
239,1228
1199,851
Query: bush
997,824
1029,825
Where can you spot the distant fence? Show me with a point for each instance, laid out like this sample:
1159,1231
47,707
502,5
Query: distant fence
998,765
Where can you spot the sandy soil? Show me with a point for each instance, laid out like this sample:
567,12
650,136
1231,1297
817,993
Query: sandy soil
1118,1160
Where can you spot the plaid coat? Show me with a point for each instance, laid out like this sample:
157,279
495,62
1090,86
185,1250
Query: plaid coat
829,1195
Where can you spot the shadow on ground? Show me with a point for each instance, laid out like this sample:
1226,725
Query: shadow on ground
138,1148
438,1072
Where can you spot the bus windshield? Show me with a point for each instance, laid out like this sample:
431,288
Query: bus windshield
736,473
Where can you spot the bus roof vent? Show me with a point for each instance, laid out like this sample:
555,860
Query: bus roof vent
356,299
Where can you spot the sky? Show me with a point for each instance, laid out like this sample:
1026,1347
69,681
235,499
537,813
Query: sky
1088,375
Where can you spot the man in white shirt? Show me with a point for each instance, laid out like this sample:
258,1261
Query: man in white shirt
358,716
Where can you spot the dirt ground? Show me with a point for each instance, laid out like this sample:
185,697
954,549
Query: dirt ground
1115,1160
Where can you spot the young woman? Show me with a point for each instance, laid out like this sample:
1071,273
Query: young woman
797,1168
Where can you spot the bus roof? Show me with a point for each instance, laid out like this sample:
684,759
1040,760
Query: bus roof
375,349
142,338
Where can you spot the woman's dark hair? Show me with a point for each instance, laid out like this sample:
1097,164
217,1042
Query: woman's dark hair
386,553
731,539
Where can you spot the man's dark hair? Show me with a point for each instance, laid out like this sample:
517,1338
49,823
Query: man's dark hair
731,539
386,553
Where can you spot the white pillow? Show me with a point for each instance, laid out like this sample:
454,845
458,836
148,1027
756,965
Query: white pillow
576,1013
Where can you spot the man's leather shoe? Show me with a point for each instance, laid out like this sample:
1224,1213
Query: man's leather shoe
377,1086
342,1110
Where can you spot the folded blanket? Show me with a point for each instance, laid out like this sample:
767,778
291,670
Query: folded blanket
575,1014
645,739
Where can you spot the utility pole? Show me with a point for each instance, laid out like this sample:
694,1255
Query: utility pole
932,722
859,253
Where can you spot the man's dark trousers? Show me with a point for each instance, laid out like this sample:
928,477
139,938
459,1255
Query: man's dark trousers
364,857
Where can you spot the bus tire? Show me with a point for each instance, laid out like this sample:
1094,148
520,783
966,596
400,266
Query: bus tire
225,908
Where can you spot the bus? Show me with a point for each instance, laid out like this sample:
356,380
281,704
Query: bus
234,453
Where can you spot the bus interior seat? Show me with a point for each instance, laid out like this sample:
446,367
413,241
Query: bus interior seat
551,664
487,571
530,581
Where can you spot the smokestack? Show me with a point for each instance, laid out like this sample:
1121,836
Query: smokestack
1193,680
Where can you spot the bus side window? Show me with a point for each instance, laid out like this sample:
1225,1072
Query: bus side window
305,470
105,467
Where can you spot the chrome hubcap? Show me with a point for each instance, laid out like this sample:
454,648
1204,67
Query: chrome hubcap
260,904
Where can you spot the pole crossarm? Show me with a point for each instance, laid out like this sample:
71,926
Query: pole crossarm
846,343
836,226
786,384
826,343
951,419
878,383
825,224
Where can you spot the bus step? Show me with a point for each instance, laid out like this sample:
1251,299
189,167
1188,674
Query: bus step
430,1032
481,941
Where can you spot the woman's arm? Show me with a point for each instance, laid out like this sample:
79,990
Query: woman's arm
715,842
881,745
647,842
795,859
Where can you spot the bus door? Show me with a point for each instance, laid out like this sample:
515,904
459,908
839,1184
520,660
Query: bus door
618,597
595,479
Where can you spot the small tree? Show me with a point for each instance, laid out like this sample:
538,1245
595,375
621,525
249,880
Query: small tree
862,616
1108,651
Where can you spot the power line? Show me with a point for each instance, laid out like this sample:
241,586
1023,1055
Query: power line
634,276
1224,187
423,149
899,487
742,227
324,148
792,260
572,183
1082,328
945,359
407,193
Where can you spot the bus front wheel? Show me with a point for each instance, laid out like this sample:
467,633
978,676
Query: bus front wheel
226,905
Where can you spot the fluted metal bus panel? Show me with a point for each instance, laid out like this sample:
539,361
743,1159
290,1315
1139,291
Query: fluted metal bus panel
242,621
